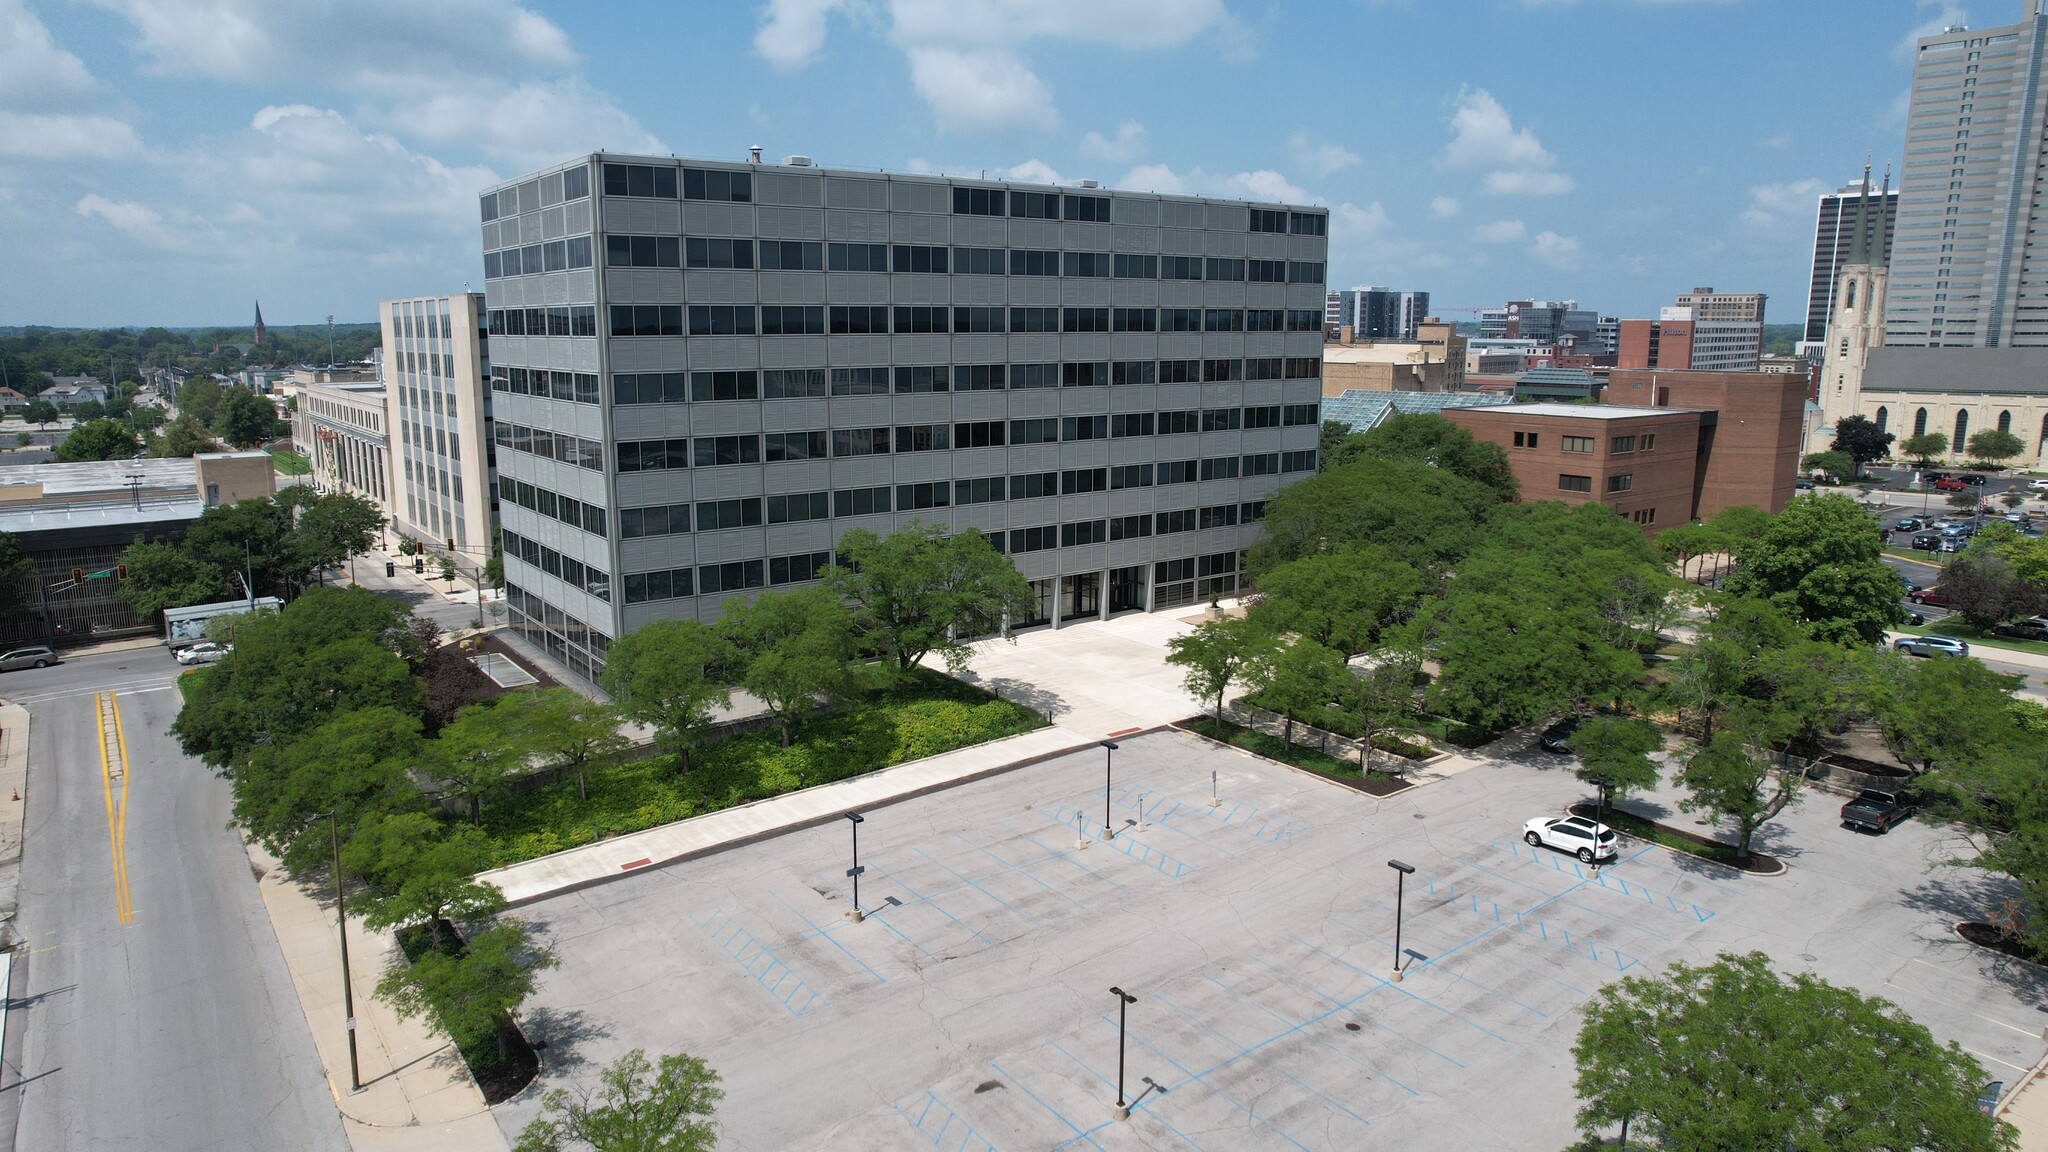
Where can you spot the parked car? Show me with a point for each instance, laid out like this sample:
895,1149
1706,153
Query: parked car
1915,619
1909,524
1930,646
2034,629
1555,736
1931,477
36,656
1972,478
1949,484
1876,809
2039,486
1927,541
1954,543
1586,839
1802,484
205,652
1932,596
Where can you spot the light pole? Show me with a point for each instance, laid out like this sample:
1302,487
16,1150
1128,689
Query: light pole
348,994
1108,755
1124,1000
854,822
1403,871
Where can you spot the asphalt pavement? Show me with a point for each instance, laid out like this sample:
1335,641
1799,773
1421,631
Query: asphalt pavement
156,1011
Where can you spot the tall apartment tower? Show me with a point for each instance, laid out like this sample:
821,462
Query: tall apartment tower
438,419
1834,239
704,374
1377,313
1966,270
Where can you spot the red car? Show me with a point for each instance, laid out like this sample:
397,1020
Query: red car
1932,596
1950,484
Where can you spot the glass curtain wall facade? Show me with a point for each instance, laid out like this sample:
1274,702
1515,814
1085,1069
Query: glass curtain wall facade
705,374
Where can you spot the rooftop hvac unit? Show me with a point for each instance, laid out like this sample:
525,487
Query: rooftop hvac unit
797,161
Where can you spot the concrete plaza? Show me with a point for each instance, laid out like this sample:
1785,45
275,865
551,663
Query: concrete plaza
971,1008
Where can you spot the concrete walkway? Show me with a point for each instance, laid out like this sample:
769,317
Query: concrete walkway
416,1093
2026,1108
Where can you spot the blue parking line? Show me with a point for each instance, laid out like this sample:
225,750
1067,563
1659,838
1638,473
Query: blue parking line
1057,854
1608,879
1169,866
1367,1065
825,933
976,885
1140,1106
1527,924
930,901
1192,1077
1585,879
761,962
970,1140
1023,869
1459,975
1057,1114
1476,1027
1311,1089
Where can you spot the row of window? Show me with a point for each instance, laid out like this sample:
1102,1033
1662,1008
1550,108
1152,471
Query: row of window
1621,483
1617,445
1293,223
676,453
548,445
795,383
575,186
737,576
658,182
568,569
567,509
533,259
569,320
577,387
922,320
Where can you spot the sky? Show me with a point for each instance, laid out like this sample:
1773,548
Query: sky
173,161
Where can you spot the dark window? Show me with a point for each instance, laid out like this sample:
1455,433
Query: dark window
858,257
1223,320
634,252
721,320
1035,205
713,515
1085,532
1267,416
860,320
798,507
733,577
1216,516
981,261
1305,271
1224,268
1222,370
923,437
917,497
981,490
1084,428
1031,262
1135,319
1024,376
555,256
1304,320
792,320
1575,483
1220,419
1176,423
1176,471
1180,319
1133,267
1086,320
792,383
1304,367
1033,484
489,204
1180,371
1294,415
979,378
1130,476
583,320
1034,539
1087,263
785,446
735,385
922,319
979,202
710,184
1303,461
575,183
1219,468
1266,271
713,451
1130,527
710,252
1095,208
1308,224
792,255
1268,220
1034,320
987,320
1130,424
1180,267
1252,511
860,381
979,434
650,319
1621,483
860,501
923,379
1080,481
1085,374
798,569
920,258
1265,320
1261,464
860,441
640,180
1178,520
1134,372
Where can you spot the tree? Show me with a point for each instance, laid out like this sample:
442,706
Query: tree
1821,562
473,992
1943,714
248,539
1995,445
795,649
479,751
2027,556
200,398
1837,464
1740,522
420,871
1729,777
1983,589
245,419
88,410
39,412
1336,445
98,440
631,1111
1681,544
162,576
1431,440
1510,658
333,529
1382,694
1428,517
17,573
1219,653
1859,438
1341,600
919,590
184,436
1301,680
1733,1055
667,674
569,731
1925,447
1614,753
2005,811
1965,500
356,765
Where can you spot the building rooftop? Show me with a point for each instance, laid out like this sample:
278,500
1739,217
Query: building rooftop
1366,409
1589,411
2010,371
109,477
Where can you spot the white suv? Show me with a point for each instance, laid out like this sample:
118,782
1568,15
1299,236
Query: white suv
1587,840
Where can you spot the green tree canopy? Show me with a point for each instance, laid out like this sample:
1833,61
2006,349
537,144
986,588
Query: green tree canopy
1983,588
1615,751
637,1107
1424,438
480,751
98,440
1926,446
162,575
1301,680
1859,438
1941,714
1221,652
1428,517
183,436
356,765
1732,1055
17,574
1343,600
1821,562
200,398
1995,445
569,731
668,674
420,871
39,412
1681,544
472,993
1836,463
796,649
1733,776
919,590
1337,444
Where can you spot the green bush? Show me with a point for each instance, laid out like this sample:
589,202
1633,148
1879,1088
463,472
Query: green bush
924,715
1273,748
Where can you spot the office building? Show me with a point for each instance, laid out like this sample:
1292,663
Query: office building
1432,361
1834,240
1967,270
1711,307
1705,332
341,429
1376,313
444,484
704,374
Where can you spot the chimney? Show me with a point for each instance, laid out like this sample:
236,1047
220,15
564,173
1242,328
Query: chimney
754,154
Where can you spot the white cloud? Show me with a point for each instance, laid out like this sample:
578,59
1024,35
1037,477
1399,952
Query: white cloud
66,137
1500,232
986,91
1560,252
1154,178
1781,141
1266,184
138,221
1444,207
792,31
536,123
1032,171
1944,14
1483,136
1128,144
35,74
1350,222
1775,205
1322,159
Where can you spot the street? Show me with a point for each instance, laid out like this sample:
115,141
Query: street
156,1012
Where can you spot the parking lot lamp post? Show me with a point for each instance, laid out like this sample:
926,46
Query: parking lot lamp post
1108,755
348,995
854,821
1403,871
1124,1000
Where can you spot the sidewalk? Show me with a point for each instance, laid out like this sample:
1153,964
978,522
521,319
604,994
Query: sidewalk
2026,1107
416,1094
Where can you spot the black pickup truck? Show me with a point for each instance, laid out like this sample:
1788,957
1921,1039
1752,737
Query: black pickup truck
1875,810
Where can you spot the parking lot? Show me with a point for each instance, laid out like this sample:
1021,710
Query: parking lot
972,1009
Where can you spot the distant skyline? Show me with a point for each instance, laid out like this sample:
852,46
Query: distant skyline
171,161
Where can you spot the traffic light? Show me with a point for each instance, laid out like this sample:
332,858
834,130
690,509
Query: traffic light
120,571
78,575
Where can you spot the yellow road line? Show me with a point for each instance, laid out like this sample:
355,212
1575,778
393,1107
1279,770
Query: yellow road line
127,778
117,814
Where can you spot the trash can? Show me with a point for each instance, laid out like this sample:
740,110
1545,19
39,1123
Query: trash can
390,569
418,565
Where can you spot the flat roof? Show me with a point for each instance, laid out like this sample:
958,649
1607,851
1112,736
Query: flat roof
1587,411
102,475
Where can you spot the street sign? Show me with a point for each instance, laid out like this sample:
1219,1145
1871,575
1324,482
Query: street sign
857,870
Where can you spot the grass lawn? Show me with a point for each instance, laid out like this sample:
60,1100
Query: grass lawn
1273,748
1956,626
290,463
928,714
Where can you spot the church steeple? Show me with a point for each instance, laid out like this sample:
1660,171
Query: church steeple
1883,198
1859,246
262,335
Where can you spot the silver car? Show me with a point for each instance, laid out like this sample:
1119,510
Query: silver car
39,656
